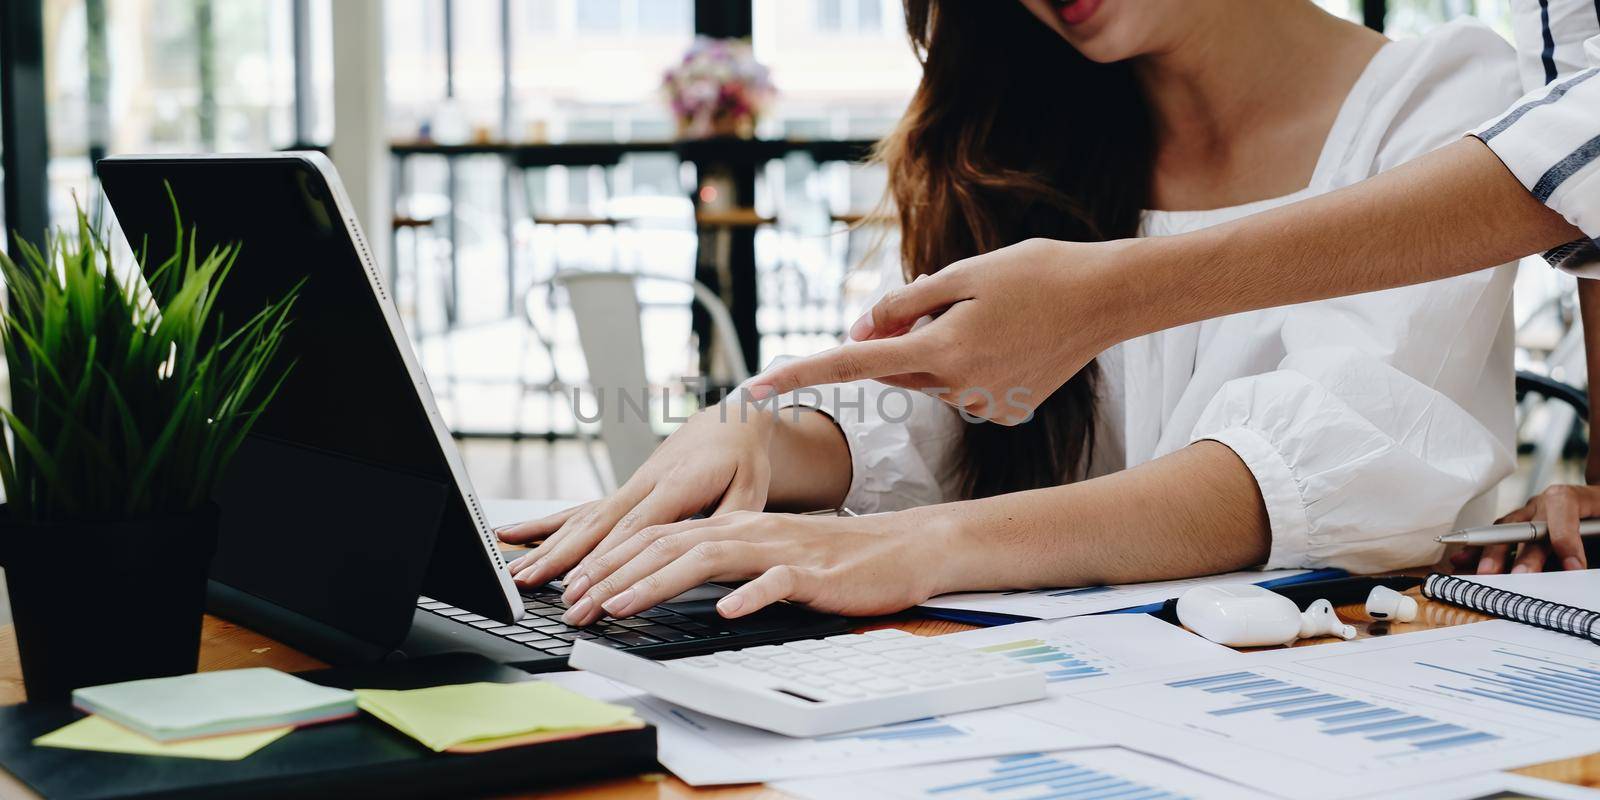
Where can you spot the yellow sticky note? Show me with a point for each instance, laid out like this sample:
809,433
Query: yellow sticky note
444,716
98,733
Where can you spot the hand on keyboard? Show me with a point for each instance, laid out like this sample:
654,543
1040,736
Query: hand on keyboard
715,461
876,564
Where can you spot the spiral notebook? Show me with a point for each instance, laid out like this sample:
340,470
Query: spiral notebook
1556,601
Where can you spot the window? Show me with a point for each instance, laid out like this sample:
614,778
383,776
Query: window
600,16
171,76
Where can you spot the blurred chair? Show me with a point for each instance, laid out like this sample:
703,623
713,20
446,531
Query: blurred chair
607,310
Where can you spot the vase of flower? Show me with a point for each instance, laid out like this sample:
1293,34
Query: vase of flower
718,89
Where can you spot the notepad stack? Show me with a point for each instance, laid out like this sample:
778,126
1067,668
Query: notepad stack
215,703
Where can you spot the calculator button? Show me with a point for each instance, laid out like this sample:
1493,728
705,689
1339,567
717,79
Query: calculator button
886,633
882,685
894,670
863,661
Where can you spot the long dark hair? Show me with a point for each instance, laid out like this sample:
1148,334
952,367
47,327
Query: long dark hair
1011,135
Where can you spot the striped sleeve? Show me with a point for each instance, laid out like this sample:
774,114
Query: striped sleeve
1550,139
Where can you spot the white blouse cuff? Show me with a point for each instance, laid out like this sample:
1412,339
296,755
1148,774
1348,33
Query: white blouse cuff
1286,509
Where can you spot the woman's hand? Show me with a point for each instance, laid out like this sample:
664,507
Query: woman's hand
1561,507
1016,324
860,566
717,462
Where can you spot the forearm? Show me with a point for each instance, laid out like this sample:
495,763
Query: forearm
810,461
1194,512
1589,304
1454,211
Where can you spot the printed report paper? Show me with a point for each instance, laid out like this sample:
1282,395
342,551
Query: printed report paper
1073,652
1357,718
1059,603
1075,775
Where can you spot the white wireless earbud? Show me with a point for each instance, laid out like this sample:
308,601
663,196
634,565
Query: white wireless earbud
1319,620
1387,604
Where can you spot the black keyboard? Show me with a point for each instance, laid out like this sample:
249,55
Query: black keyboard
542,629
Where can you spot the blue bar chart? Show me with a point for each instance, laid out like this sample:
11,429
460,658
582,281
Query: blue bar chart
1530,681
1394,731
1099,774
1037,777
1059,661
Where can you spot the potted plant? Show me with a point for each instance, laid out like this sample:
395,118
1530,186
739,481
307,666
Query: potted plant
127,399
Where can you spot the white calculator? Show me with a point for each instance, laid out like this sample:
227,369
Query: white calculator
819,686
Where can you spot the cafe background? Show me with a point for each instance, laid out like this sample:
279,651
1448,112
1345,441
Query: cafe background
490,144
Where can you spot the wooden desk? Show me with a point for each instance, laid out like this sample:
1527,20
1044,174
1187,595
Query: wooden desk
225,646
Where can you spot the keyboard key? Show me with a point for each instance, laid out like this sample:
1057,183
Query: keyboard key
733,656
667,634
631,622
851,675
765,650
807,645
701,661
816,681
656,613
560,651
924,679
845,639
529,638
634,639
433,605
846,691
794,659
468,617
505,630
787,673
455,613
485,624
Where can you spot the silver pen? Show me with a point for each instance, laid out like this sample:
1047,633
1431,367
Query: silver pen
1512,532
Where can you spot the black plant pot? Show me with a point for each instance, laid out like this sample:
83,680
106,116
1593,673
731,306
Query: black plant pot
101,602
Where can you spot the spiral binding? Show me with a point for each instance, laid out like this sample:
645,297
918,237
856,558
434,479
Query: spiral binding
1513,606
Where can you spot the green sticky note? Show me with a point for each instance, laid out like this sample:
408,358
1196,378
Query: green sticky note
444,716
100,734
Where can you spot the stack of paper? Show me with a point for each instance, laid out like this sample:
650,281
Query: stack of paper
475,717
215,703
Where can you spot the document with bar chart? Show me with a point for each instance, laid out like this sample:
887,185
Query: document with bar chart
1339,720
1073,652
1106,774
704,750
1059,603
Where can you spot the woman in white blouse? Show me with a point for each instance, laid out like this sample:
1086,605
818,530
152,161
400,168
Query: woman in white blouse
1347,433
